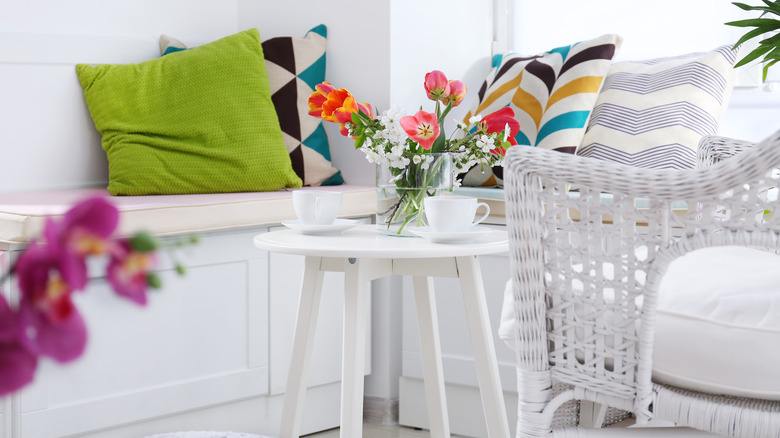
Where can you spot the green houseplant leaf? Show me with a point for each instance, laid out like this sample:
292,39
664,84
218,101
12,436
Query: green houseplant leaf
765,25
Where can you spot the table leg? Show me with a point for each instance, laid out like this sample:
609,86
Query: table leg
308,307
433,374
356,290
482,344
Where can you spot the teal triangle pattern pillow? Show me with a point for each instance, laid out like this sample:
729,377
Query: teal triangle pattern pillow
295,66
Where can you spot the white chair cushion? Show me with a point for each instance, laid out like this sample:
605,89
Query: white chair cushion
718,323
22,214
718,327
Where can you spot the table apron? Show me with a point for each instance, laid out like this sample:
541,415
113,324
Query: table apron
377,268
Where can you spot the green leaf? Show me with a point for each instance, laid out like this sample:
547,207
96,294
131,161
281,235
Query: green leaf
143,242
772,41
153,280
444,114
771,9
753,55
180,269
360,140
763,23
752,34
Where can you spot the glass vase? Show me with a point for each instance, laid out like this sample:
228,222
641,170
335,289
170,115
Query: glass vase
400,192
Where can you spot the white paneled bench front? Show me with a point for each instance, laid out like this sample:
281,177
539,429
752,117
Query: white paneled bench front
211,350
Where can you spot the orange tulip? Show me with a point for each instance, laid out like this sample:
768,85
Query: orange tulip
343,114
335,101
318,97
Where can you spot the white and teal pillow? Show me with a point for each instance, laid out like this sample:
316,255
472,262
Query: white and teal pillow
294,66
552,95
653,113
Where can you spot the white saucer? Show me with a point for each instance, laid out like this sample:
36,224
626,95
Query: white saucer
452,237
336,227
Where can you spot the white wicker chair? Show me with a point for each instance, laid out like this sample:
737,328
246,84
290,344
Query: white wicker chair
568,217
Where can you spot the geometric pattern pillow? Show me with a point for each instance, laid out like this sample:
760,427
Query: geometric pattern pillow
552,95
295,66
653,113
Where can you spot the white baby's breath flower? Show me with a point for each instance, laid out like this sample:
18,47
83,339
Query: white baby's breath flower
416,159
475,119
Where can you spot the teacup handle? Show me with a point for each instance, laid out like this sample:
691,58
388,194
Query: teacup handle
484,216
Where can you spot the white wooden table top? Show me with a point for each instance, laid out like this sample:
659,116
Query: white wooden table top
365,241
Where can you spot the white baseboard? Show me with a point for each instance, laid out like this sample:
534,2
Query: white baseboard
380,411
261,415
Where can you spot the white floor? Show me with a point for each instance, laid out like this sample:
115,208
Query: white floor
378,431
395,431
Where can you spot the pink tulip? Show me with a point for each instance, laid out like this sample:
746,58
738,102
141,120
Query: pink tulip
457,93
436,85
422,127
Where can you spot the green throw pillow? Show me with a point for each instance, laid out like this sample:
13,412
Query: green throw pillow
198,121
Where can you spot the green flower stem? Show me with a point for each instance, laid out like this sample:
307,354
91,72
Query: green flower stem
411,204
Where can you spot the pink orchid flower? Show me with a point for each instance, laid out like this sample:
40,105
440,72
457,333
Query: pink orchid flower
83,231
457,93
49,323
436,85
128,271
499,121
422,127
17,365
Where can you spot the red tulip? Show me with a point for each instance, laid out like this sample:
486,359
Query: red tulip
499,121
436,85
422,127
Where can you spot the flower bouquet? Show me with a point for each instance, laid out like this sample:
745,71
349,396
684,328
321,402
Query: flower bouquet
415,157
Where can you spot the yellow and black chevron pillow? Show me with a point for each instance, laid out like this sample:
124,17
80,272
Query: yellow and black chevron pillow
552,94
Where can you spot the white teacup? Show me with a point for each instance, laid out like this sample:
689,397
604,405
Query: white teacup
450,214
315,207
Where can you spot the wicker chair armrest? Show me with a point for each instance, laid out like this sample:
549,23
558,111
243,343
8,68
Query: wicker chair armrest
659,184
714,149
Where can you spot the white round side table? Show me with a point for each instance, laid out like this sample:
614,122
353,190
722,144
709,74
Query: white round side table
364,255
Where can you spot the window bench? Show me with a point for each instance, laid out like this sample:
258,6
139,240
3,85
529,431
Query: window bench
214,343
22,214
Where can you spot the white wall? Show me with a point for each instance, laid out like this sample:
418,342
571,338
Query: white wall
653,29
358,56
206,18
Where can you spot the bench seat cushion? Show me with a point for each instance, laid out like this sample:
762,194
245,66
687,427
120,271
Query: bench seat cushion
23,214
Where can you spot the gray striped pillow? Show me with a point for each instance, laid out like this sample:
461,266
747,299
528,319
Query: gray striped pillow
653,113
